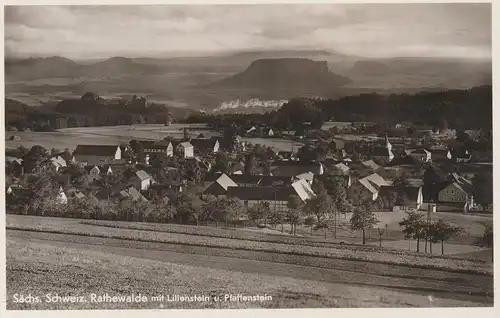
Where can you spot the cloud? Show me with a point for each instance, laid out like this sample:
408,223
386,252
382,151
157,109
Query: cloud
361,29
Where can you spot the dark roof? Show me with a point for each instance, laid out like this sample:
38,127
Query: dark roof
339,144
409,193
246,179
98,150
201,135
275,181
150,144
380,152
460,153
290,168
203,143
261,193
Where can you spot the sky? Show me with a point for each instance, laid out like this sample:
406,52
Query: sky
369,30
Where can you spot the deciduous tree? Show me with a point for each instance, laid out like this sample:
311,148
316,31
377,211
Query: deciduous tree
363,219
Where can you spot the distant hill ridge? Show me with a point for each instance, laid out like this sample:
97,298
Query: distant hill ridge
56,66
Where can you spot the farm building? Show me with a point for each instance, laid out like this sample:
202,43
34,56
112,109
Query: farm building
276,197
366,188
287,168
220,186
96,154
154,147
205,145
457,190
407,197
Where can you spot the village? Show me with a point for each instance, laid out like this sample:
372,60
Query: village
222,178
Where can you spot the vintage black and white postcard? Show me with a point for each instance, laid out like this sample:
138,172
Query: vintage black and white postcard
252,155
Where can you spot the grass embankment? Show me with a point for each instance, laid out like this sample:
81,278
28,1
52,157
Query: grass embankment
238,234
41,269
73,226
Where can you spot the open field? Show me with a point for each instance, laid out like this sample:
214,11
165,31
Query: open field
42,267
74,226
70,137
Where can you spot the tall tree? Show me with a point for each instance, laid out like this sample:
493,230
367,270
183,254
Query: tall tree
250,164
259,211
34,159
293,214
414,227
487,239
442,231
319,206
483,189
363,219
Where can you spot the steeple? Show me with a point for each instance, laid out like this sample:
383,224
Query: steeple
387,143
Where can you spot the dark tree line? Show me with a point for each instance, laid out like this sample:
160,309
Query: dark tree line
457,109
89,110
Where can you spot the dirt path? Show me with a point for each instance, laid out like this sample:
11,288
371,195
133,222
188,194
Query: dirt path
427,282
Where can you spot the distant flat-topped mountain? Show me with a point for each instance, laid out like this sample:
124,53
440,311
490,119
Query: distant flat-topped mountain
298,75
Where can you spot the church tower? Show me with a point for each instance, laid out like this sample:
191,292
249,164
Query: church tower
387,143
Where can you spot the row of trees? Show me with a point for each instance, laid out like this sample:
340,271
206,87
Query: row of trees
415,227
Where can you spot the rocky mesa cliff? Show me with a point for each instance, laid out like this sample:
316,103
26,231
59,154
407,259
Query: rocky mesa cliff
296,74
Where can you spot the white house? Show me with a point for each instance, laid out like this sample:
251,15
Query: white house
185,149
57,163
61,197
141,180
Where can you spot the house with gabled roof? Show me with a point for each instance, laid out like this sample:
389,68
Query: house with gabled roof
290,168
57,163
133,194
420,154
157,147
185,149
141,180
205,145
308,176
342,167
461,155
276,181
246,180
457,190
276,197
220,186
370,164
96,154
366,188
407,197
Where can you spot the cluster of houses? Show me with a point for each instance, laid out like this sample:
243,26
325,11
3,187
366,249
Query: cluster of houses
287,175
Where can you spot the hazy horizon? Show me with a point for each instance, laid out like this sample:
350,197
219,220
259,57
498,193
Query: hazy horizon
440,30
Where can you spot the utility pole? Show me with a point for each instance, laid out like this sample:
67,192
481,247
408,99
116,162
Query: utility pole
335,222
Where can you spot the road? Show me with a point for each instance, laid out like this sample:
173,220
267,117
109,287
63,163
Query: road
442,284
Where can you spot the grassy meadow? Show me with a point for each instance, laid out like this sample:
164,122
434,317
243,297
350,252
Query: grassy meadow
41,268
